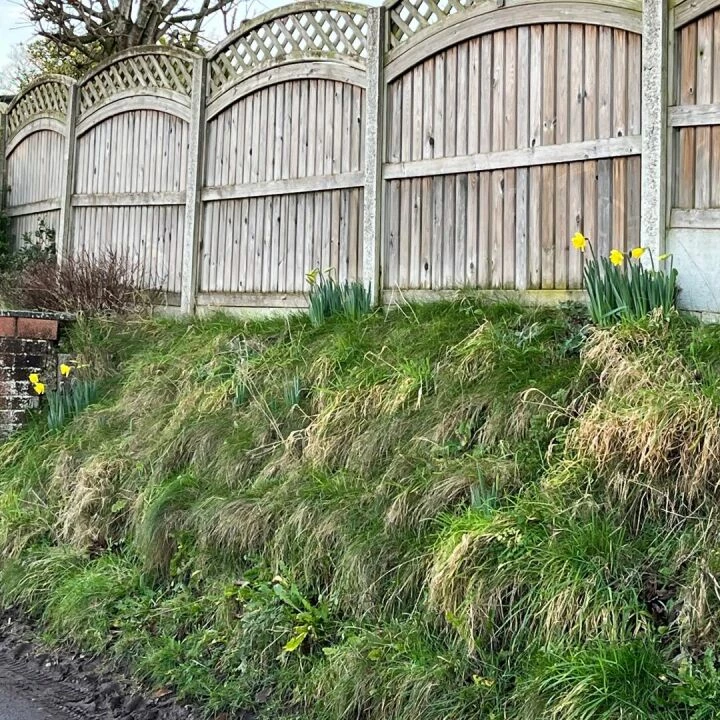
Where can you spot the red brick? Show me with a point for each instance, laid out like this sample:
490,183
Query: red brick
37,328
7,327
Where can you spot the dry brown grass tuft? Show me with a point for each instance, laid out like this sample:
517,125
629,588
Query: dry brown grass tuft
654,434
87,493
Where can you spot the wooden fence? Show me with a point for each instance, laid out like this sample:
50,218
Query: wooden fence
422,146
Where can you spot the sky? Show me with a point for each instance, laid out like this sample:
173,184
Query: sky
15,29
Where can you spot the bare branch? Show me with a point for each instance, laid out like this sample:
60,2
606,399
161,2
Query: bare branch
98,28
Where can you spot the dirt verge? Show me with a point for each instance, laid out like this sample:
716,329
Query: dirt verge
73,686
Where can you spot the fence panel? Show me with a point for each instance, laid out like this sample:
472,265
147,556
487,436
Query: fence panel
35,155
131,164
284,154
291,155
501,146
695,121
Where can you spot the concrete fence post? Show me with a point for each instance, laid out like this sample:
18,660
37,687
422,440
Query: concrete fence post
374,144
654,125
3,165
193,201
64,236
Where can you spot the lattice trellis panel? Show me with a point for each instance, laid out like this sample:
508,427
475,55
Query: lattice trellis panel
306,33
408,17
137,72
48,99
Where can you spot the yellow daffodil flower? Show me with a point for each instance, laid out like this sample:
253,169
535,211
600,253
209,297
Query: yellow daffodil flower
65,370
579,241
34,378
664,256
638,252
39,388
616,257
312,276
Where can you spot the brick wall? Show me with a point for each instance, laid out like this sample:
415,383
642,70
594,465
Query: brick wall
28,344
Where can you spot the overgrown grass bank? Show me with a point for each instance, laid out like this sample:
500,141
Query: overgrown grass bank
445,512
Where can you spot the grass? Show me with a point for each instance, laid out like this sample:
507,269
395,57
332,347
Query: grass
456,510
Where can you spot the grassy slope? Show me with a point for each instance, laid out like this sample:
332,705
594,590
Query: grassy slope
441,512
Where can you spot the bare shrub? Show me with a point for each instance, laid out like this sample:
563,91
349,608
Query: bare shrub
90,284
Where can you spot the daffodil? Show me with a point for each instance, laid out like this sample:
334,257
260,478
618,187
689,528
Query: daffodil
616,257
65,370
664,256
34,378
637,252
39,388
579,241
312,276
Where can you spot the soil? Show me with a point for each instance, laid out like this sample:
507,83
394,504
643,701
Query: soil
65,685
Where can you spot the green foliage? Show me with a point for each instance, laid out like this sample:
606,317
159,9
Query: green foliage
698,685
448,511
42,57
628,291
38,246
603,681
329,298
6,243
71,400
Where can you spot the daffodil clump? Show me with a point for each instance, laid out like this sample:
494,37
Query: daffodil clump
328,297
36,382
71,398
620,287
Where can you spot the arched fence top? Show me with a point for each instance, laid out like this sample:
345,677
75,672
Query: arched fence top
47,97
688,10
345,73
303,30
483,17
411,20
38,124
141,70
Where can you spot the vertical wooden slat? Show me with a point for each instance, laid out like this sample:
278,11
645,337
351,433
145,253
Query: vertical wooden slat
604,205
439,236
417,152
403,271
562,130
547,255
633,202
450,241
703,96
535,223
590,99
685,179
426,184
715,130
575,215
618,204
590,202
509,230
470,274
522,122
461,181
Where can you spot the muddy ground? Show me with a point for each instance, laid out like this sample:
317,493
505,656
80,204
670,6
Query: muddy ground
63,685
